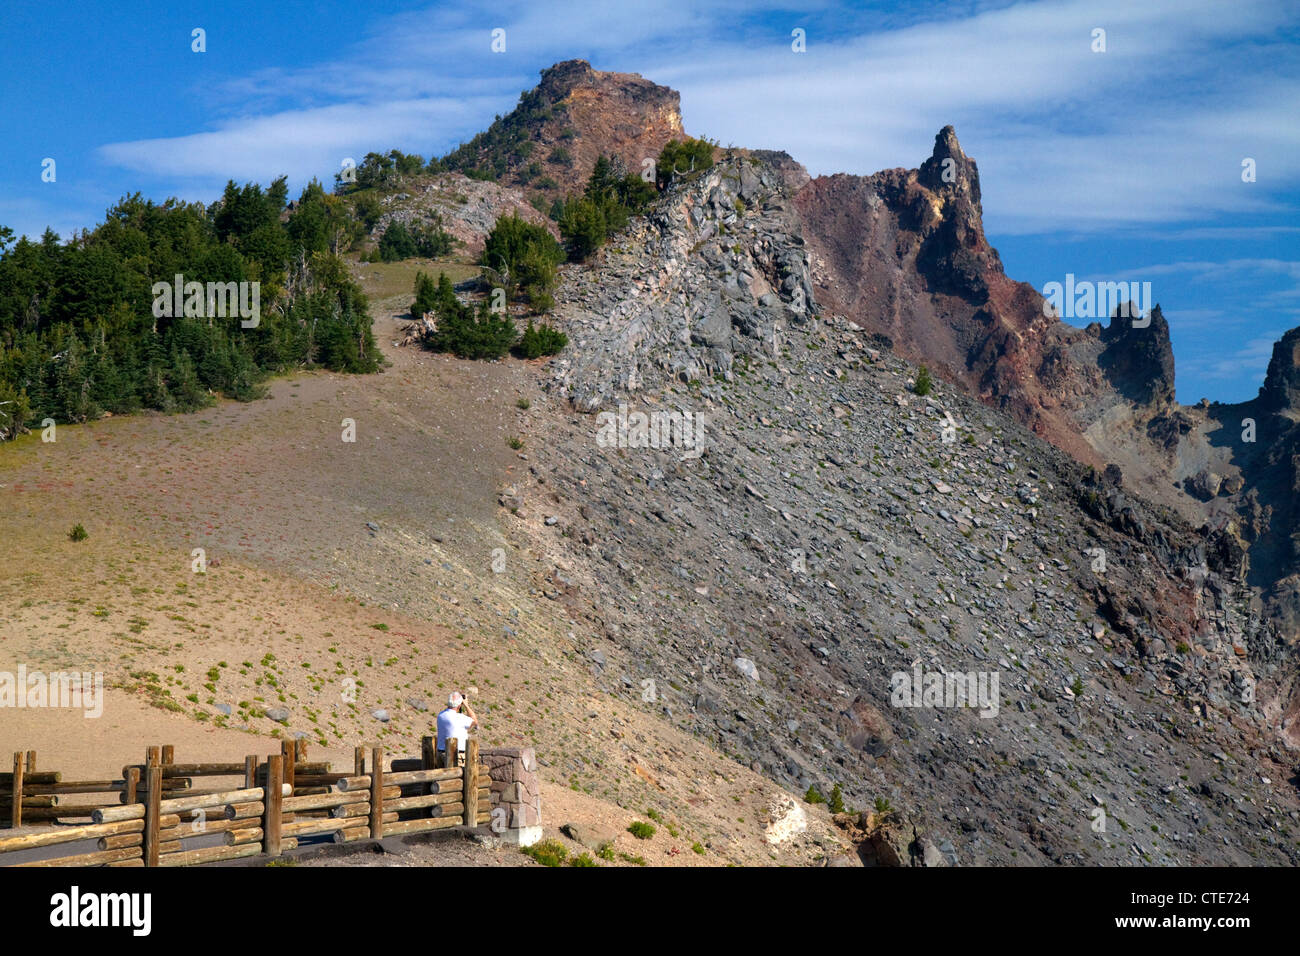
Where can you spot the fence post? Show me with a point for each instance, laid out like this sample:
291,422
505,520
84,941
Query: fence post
152,812
287,752
168,754
359,761
250,771
377,793
300,750
428,761
130,793
31,761
16,811
453,752
469,789
271,803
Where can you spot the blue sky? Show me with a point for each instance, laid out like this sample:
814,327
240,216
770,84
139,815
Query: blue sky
1122,164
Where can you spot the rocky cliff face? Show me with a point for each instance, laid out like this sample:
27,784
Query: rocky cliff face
712,275
551,141
764,526
466,208
903,254
832,530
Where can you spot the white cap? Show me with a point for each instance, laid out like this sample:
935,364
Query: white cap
455,700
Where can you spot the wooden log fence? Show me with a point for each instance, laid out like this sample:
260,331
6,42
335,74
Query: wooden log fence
156,815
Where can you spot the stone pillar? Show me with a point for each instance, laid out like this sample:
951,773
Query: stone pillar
516,794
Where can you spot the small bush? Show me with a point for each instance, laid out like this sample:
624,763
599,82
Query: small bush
78,533
606,852
680,158
524,404
836,802
470,336
924,383
539,340
582,859
813,795
547,853
697,848
515,443
642,830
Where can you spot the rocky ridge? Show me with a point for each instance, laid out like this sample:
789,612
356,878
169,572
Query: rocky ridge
839,529
902,253
583,114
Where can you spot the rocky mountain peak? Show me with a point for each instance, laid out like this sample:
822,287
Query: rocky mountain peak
950,171
549,143
1281,389
1139,358
560,79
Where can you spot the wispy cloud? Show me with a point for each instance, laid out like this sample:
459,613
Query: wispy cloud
1249,361
1151,131
300,143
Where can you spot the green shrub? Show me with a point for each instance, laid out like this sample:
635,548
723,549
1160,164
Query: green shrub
522,257
400,241
642,830
461,330
78,533
547,853
680,157
610,198
606,852
813,795
426,295
541,340
924,383
836,802
582,859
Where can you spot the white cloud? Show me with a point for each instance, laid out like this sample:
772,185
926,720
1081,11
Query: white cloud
299,142
1150,132
1247,363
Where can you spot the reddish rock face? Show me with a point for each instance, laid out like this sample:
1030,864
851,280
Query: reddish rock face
577,114
903,254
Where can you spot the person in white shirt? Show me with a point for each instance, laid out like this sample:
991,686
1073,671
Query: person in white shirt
457,720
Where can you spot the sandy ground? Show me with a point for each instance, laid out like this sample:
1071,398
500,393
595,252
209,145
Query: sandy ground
305,606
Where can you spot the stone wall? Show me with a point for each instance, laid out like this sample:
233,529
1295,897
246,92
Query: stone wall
517,791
